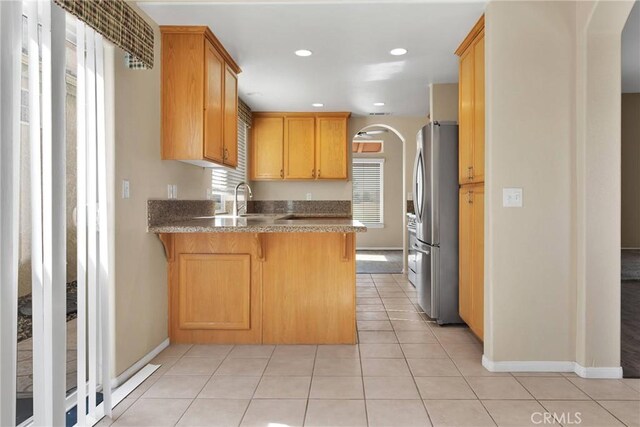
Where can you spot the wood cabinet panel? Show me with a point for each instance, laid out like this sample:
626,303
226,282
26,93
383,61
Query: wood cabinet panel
215,291
465,114
471,177
213,105
478,109
465,218
477,262
331,148
182,96
212,268
230,118
309,299
299,148
471,258
267,142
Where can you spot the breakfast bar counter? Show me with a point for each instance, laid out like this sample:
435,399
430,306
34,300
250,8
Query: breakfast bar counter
273,279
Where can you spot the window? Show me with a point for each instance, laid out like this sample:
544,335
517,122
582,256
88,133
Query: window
368,185
224,179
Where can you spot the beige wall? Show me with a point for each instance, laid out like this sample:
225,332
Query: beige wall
630,170
552,268
443,102
320,190
141,270
530,289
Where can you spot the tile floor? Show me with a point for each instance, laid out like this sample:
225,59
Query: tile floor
405,371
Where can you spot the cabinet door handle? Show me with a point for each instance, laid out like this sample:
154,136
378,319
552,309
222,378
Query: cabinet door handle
281,173
470,173
313,173
225,155
469,196
318,173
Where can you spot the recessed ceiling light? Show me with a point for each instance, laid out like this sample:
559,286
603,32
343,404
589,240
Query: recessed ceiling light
317,104
398,51
378,104
303,52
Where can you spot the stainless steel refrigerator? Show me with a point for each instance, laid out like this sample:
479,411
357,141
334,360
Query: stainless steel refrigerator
435,188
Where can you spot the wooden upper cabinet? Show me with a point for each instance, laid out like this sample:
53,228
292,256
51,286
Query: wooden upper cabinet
478,108
199,98
471,106
213,104
465,118
267,141
331,149
299,146
230,118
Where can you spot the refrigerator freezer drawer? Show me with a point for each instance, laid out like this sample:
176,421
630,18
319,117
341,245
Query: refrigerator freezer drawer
427,278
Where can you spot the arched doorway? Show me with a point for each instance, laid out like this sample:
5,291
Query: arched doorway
403,209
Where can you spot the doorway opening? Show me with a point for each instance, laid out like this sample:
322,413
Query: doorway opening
378,200
630,210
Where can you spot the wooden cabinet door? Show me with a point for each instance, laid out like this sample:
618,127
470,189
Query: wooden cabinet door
477,264
213,103
465,257
267,141
331,148
478,109
466,114
214,291
299,148
230,118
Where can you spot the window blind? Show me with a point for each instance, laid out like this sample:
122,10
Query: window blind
225,179
368,191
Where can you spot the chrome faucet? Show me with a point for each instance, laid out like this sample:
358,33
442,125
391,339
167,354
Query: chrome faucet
236,210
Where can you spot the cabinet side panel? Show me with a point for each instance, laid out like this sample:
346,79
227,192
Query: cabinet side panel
182,96
309,292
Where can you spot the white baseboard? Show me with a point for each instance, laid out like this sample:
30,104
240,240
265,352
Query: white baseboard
123,377
551,366
378,249
597,372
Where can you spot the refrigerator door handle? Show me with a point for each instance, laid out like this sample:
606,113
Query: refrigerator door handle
418,195
419,249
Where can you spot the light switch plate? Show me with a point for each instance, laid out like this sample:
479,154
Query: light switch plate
512,197
125,189
309,196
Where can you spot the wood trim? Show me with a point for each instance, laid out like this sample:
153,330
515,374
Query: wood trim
300,114
167,244
206,31
475,31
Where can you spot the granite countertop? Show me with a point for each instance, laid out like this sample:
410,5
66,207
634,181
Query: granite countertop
198,216
262,223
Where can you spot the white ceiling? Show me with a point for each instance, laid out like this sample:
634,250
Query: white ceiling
351,67
631,52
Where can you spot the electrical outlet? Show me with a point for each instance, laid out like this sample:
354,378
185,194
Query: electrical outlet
209,193
172,191
309,196
175,191
125,189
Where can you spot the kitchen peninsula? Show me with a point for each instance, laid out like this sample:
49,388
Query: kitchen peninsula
268,278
